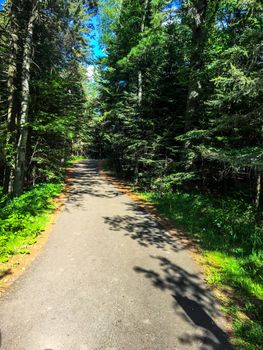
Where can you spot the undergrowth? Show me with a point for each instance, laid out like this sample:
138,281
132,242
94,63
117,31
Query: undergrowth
232,241
24,217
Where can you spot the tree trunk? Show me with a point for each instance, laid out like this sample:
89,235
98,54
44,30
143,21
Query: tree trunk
203,15
12,99
140,76
20,166
139,87
196,64
258,191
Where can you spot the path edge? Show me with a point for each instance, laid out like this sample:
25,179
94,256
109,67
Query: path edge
17,264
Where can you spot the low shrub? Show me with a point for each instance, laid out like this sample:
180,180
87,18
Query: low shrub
23,218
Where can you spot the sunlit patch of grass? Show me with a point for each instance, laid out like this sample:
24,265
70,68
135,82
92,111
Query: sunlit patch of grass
23,218
74,159
232,243
242,273
245,303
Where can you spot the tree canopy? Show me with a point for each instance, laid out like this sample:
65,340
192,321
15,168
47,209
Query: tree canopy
44,53
181,91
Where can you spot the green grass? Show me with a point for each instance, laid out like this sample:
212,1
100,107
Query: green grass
23,218
75,159
232,243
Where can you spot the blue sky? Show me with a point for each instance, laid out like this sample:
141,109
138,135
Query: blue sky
94,38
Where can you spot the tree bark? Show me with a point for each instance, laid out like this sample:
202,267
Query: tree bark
140,76
204,15
20,166
258,191
139,87
12,99
199,30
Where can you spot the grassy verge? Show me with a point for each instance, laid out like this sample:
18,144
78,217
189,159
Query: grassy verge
22,219
232,244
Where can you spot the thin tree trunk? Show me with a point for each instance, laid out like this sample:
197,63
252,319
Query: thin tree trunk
258,191
204,15
139,87
196,64
20,166
140,76
12,99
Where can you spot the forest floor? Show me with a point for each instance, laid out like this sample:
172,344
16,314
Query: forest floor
111,276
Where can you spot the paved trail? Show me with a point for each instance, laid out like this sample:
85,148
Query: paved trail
109,278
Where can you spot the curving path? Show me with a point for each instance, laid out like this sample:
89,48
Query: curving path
109,278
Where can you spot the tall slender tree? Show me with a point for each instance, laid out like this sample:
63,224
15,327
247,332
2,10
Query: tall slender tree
20,164
13,98
46,56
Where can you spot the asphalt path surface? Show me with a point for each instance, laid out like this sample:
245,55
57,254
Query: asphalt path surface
110,278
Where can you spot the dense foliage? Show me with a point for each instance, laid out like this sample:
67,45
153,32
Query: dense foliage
181,92
44,50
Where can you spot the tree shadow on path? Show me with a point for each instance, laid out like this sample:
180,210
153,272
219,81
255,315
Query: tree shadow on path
87,181
192,301
145,229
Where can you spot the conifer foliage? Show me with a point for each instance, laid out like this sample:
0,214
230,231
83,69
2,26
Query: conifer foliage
43,52
181,93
